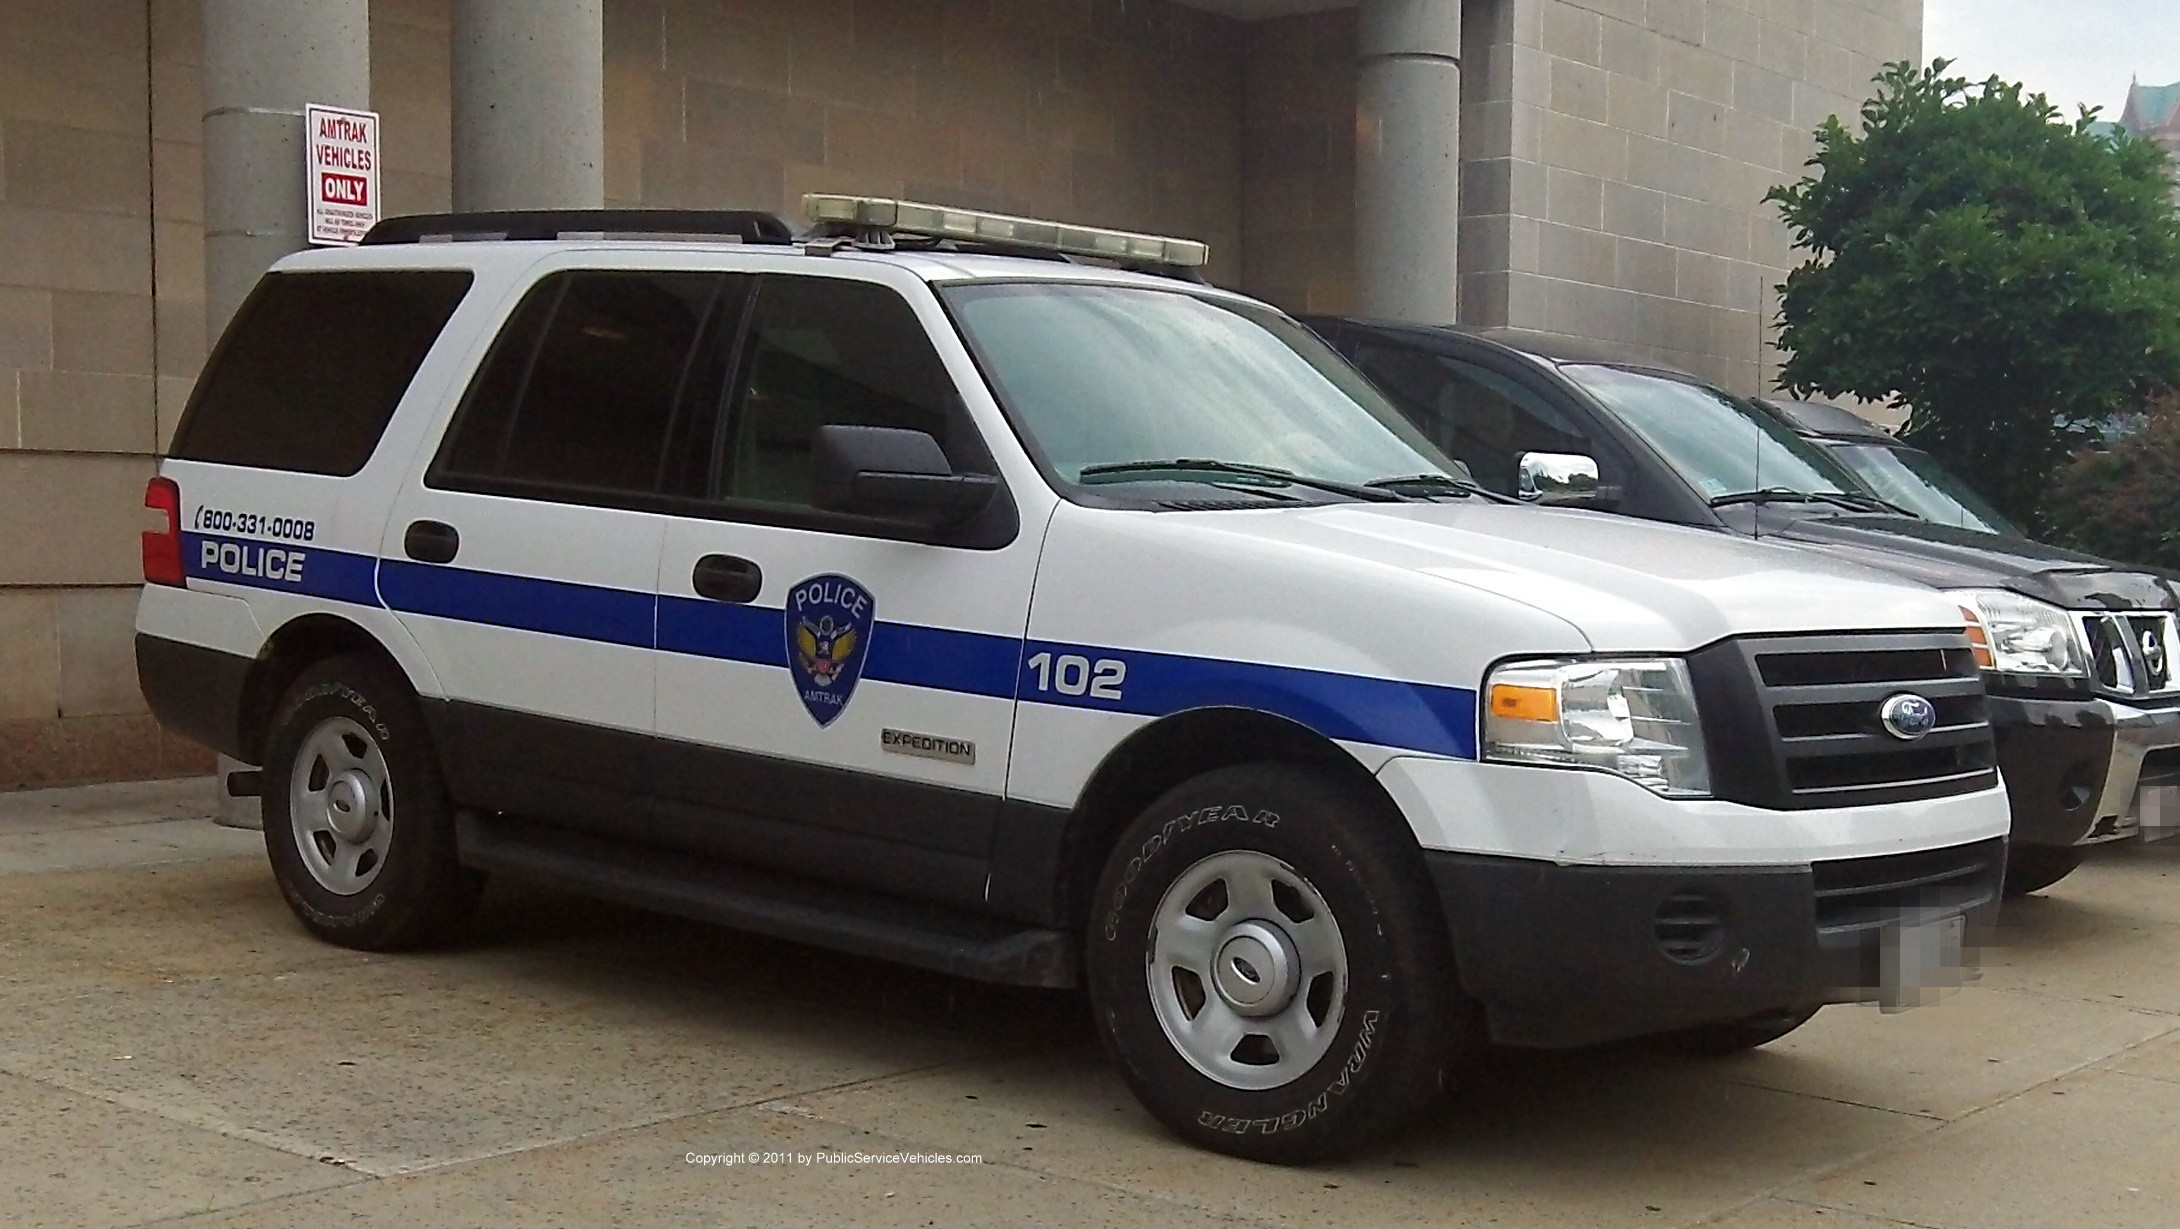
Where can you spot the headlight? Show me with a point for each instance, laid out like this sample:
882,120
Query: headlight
2013,634
1635,718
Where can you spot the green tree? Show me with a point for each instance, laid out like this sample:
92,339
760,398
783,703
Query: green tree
2011,277
2123,501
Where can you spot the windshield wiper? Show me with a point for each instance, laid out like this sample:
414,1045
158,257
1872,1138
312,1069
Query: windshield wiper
1427,485
1863,503
1123,471
1838,499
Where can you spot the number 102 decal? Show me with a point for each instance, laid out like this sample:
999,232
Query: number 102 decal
1071,674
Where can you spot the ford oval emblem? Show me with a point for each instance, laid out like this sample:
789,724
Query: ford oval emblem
1908,716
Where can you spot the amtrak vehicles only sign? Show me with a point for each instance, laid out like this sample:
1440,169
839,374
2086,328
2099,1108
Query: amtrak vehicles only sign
342,171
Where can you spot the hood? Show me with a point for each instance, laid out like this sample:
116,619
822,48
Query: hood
1628,585
1950,557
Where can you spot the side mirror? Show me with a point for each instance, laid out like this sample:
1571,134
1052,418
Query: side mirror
1562,480
895,474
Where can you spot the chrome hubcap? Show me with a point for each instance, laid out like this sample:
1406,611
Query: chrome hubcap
340,804
1247,970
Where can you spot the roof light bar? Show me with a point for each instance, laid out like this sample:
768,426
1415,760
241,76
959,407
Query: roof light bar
946,222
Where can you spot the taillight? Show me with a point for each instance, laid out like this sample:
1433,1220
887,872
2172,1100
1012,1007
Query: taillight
163,547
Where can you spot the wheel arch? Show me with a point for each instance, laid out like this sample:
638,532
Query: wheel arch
1173,749
297,645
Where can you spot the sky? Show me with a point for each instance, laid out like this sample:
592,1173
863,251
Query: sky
2075,51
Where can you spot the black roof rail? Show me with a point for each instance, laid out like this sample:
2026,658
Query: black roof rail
747,225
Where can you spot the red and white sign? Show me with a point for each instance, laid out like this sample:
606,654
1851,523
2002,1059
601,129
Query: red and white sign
342,171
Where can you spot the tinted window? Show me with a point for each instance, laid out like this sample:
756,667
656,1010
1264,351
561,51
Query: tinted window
821,351
1472,413
594,375
311,369
1720,445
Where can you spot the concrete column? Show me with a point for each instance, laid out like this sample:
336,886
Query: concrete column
1408,159
263,60
529,104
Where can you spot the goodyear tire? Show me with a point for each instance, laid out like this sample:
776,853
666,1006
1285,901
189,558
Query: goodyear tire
2032,868
358,825
1270,967
1728,1037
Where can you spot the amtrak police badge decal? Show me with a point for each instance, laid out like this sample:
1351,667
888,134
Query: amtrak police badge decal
828,637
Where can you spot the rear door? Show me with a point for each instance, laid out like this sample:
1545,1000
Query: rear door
524,561
836,694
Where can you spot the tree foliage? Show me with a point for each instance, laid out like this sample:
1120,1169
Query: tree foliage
2011,277
2123,502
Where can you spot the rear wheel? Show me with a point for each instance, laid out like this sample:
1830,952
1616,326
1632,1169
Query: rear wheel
1270,967
2032,868
358,825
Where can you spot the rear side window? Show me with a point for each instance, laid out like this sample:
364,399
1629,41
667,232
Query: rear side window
595,387
310,371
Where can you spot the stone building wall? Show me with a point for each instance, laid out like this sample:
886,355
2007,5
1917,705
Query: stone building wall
1119,112
100,205
1298,161
1616,154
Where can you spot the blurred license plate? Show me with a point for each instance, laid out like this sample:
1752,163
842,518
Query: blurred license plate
2156,811
1920,959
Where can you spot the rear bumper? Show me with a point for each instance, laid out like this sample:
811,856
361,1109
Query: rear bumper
1564,955
194,691
2047,748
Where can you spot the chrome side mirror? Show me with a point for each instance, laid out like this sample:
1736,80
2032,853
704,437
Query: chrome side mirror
1559,478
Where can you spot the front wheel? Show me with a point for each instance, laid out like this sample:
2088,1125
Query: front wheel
2032,868
358,825
1270,966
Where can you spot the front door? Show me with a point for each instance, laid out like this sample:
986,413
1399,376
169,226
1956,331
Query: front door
836,696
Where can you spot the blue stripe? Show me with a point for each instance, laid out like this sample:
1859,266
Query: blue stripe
941,658
555,607
1387,712
283,567
728,631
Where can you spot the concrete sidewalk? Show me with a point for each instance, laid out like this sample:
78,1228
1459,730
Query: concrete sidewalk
174,1049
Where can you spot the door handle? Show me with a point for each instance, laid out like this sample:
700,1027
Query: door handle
431,542
727,578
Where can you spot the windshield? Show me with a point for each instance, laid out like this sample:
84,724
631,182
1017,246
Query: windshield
1723,447
1100,376
1914,480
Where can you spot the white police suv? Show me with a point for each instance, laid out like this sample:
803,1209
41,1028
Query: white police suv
926,586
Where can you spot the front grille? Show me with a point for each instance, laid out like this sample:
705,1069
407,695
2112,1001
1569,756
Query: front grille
2132,654
1799,719
1859,892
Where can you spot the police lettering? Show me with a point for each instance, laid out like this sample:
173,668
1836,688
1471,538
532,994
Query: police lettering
831,591
251,559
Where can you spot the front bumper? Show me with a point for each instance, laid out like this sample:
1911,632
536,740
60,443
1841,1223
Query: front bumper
2088,753
1573,955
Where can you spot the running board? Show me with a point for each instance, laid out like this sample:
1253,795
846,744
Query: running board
932,937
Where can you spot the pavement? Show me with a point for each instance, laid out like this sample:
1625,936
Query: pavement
174,1050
